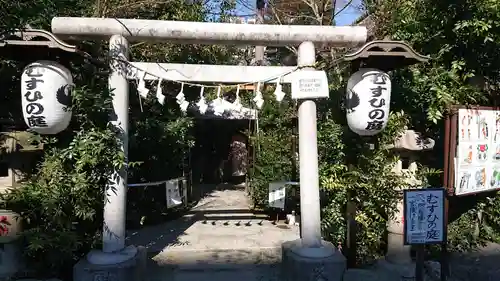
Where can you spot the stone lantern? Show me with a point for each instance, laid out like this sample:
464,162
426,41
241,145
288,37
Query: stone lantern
409,147
18,157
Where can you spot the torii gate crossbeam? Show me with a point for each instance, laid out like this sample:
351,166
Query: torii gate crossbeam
213,33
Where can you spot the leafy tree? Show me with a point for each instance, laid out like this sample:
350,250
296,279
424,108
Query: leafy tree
61,205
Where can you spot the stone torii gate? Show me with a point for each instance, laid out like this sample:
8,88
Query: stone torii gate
310,258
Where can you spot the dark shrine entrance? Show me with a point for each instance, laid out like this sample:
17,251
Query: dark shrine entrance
212,157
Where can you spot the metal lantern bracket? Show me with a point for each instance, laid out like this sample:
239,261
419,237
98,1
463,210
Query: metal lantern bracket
35,44
385,55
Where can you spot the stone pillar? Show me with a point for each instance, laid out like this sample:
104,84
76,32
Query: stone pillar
397,252
116,261
310,258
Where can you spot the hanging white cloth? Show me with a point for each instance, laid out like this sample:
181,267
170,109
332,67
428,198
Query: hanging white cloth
173,193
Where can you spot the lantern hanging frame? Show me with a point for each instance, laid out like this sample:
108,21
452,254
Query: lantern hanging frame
36,44
385,55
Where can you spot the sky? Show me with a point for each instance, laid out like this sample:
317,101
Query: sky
346,17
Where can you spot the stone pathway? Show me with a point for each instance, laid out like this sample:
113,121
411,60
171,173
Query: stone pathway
219,239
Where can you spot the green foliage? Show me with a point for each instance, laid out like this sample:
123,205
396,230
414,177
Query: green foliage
363,176
349,171
61,205
37,13
273,144
352,170
462,38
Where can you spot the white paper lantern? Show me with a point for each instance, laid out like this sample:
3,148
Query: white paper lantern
46,97
368,99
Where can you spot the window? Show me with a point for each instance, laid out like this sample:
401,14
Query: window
405,163
4,169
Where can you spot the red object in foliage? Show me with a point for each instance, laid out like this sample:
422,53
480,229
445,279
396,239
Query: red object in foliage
4,225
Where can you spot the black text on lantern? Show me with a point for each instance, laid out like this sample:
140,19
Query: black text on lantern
376,114
34,108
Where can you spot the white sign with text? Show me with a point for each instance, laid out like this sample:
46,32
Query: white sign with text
277,195
310,84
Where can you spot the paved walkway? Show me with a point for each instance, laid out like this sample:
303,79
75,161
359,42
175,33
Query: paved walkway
219,239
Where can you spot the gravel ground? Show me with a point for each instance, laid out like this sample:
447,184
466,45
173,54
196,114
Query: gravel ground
480,265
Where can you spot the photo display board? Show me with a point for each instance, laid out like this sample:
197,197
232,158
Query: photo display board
477,161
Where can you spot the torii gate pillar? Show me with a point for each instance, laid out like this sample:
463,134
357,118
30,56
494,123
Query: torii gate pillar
310,258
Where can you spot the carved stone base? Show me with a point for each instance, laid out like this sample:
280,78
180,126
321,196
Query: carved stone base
132,269
10,259
397,252
312,264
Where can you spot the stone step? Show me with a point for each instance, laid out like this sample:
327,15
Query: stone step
241,265
217,237
248,273
218,258
229,216
255,222
364,275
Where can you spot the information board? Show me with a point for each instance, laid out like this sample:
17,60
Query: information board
424,216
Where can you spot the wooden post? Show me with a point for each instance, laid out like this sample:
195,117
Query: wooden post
351,234
450,136
444,249
419,266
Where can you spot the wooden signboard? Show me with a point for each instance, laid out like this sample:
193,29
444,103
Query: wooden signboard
472,150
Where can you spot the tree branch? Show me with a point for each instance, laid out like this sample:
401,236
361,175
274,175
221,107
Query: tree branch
343,8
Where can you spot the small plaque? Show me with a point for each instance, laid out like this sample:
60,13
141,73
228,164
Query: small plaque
277,195
310,84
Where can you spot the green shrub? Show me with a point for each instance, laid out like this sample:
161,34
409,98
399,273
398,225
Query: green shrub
61,206
363,175
349,169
